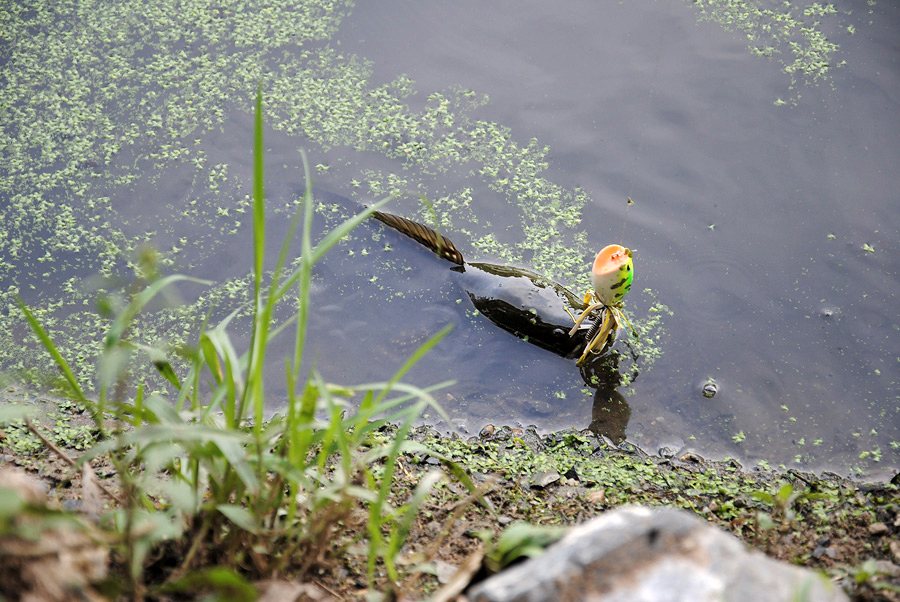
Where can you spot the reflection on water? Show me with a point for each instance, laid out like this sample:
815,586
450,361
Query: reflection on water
539,134
610,411
609,415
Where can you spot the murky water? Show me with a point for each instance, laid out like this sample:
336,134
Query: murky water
763,188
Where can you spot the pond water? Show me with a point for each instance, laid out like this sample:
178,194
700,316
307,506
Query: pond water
746,151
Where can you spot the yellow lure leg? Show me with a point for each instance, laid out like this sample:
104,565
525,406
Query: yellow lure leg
598,341
584,316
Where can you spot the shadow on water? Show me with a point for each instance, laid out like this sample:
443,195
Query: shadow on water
610,415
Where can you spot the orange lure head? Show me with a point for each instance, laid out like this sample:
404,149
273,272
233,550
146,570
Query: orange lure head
612,274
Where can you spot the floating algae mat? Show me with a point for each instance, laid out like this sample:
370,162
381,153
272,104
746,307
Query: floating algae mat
738,143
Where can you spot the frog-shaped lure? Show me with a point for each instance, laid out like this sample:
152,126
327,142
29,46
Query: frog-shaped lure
611,276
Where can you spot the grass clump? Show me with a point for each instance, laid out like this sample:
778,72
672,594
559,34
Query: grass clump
211,493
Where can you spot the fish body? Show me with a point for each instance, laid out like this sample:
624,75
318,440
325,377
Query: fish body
517,300
526,304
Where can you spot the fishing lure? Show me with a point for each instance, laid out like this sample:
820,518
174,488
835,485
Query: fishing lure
611,276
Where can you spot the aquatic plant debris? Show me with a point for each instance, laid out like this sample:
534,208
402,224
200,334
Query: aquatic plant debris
103,103
789,33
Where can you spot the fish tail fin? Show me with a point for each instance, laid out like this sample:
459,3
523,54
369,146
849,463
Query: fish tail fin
422,234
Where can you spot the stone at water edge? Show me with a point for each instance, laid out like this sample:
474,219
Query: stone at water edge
638,554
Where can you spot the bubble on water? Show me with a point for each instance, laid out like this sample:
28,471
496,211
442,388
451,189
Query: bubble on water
829,312
709,388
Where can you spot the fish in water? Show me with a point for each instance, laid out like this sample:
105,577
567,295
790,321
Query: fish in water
530,305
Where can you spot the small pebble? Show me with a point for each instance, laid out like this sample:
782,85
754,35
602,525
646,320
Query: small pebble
887,569
445,571
544,478
504,520
895,550
487,431
597,497
878,528
71,505
710,388
504,433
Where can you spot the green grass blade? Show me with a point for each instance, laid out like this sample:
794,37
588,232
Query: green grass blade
48,344
410,392
161,362
329,436
401,530
254,392
342,438
304,272
259,216
329,241
224,583
377,510
226,367
456,470
240,516
301,426
165,369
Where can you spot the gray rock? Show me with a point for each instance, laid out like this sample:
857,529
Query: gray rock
637,554
542,479
878,528
444,571
531,439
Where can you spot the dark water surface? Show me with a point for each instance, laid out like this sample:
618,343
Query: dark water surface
735,199
757,205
